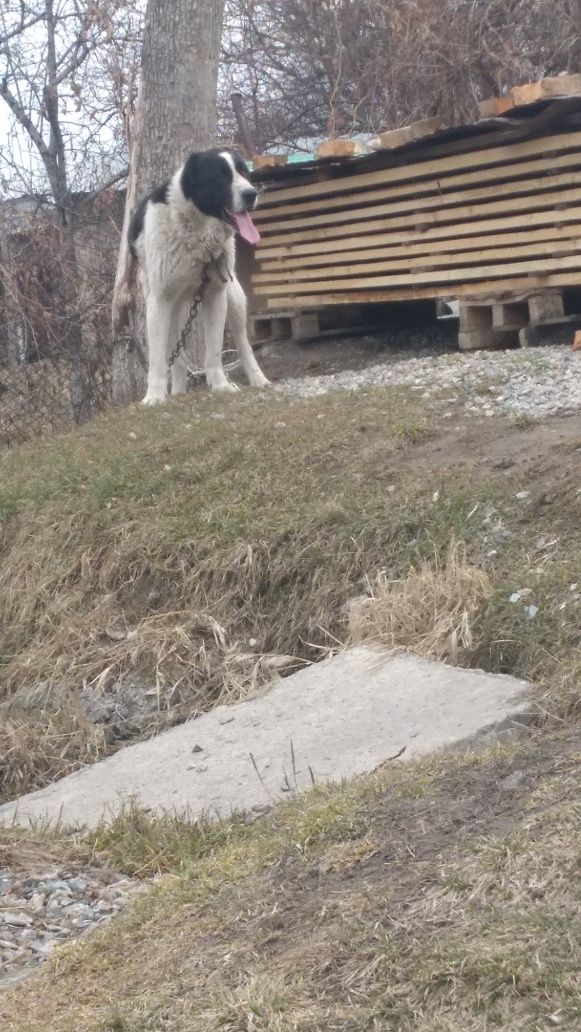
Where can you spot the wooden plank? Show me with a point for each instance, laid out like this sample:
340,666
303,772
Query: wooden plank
550,217
261,161
546,307
475,318
408,134
382,264
508,152
561,319
305,325
466,213
546,89
485,289
339,149
494,107
476,340
437,201
510,315
559,236
441,276
488,176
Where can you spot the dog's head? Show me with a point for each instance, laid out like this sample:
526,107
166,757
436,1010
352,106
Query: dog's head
217,182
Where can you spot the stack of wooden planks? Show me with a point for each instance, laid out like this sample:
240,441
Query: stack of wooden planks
490,212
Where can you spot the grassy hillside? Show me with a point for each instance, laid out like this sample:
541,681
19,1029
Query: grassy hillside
157,562
172,558
438,897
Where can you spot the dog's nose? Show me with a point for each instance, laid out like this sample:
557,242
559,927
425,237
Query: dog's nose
249,196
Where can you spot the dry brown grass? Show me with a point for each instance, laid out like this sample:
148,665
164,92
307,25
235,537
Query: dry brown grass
39,749
188,564
180,554
430,612
454,906
260,1003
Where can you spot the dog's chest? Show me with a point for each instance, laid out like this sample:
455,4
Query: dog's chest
192,243
179,249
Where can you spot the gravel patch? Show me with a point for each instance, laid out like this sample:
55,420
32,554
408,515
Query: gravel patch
39,912
529,383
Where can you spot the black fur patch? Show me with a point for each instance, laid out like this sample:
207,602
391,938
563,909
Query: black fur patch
207,181
240,165
157,196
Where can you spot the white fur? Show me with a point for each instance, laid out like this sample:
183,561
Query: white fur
239,183
176,245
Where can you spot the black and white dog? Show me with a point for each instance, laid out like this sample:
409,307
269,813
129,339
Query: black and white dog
182,237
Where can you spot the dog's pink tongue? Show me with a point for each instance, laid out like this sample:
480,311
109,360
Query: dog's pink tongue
247,229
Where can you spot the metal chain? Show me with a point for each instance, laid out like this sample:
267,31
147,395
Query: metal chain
193,314
180,346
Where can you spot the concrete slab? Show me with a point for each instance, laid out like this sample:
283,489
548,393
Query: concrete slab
328,722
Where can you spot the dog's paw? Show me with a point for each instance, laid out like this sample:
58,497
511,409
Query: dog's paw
152,399
259,380
225,386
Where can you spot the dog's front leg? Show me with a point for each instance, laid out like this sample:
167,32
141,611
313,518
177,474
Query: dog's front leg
179,370
159,318
214,308
237,317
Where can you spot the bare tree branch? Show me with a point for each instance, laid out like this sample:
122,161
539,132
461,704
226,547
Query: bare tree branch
24,120
23,26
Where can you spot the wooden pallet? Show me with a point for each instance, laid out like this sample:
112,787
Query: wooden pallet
456,221
269,328
272,327
532,321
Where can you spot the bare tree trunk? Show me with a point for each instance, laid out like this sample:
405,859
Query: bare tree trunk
129,364
177,114
73,334
56,167
575,53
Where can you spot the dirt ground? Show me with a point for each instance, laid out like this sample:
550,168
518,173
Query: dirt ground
547,453
333,354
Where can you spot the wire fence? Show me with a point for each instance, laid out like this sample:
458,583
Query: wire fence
56,353
59,365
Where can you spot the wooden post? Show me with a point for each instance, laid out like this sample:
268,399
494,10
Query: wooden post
244,132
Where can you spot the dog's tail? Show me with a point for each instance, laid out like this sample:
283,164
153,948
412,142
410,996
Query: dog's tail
125,290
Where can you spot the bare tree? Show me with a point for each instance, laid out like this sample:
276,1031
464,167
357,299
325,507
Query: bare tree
176,114
48,73
317,67
65,76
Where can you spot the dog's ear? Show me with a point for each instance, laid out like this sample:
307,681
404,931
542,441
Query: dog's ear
190,176
240,163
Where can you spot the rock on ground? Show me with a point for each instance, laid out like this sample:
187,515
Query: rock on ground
41,911
330,721
536,383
